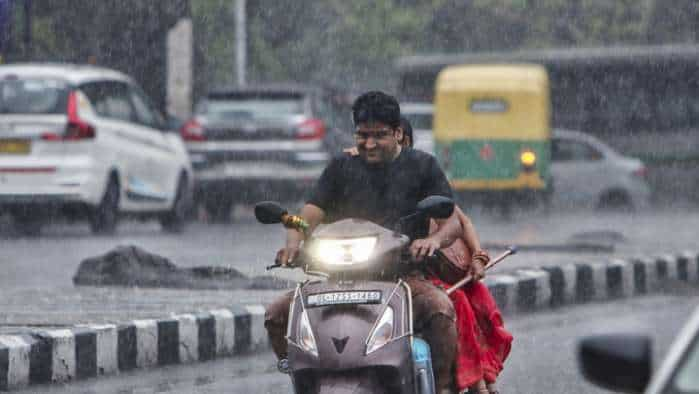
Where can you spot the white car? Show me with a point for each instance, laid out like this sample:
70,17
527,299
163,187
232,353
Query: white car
86,141
622,362
587,172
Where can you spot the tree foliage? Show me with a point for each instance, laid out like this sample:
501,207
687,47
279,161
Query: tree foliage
338,42
128,35
355,43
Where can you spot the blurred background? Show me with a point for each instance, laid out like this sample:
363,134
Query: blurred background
638,94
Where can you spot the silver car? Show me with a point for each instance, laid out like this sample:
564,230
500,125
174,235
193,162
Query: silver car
420,117
587,172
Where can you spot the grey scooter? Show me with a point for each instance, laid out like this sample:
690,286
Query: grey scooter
353,333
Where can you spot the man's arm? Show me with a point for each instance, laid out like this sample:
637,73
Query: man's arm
323,195
313,215
449,229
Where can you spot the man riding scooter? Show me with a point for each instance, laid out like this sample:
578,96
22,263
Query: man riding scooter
484,344
382,184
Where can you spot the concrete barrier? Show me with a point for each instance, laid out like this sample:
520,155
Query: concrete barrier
86,351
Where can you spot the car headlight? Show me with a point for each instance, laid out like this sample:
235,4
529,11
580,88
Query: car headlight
382,333
305,337
344,251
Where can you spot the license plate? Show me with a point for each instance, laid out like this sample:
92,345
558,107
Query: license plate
344,297
14,147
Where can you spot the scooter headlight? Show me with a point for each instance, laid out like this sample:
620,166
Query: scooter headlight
382,333
306,340
344,251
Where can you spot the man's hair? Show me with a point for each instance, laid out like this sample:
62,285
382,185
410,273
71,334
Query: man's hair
407,129
376,106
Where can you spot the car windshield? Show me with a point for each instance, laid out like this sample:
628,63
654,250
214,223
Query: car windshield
251,108
33,96
686,379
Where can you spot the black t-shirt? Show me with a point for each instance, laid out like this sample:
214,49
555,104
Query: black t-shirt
351,188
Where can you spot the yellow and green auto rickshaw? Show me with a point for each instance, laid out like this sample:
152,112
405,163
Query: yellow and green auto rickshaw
492,132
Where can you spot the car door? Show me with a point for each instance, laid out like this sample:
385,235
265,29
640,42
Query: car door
118,143
578,172
163,162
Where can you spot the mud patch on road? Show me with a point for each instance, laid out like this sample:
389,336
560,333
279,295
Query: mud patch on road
131,266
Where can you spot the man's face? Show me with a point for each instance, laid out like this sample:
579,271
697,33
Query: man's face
377,142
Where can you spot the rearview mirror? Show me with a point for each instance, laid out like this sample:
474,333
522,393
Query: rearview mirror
269,212
617,362
438,207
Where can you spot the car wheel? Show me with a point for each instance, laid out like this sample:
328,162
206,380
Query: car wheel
219,209
104,217
174,221
27,224
615,200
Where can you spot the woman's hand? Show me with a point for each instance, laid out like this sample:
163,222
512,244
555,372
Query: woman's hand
478,262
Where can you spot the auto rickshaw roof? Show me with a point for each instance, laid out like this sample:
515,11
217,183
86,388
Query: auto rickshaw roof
493,77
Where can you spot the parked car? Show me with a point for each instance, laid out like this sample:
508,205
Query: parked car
86,141
420,117
587,172
622,362
263,142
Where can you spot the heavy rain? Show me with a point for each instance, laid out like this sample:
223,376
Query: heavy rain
170,171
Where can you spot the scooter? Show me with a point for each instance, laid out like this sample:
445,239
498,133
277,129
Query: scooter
353,332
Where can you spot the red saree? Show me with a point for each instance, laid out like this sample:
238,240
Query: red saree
484,344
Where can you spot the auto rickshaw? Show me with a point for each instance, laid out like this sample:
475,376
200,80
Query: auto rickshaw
492,132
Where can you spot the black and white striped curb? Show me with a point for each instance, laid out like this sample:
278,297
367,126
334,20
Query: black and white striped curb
88,351
554,286
92,350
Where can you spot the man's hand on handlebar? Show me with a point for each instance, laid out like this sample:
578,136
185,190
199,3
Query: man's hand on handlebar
421,248
286,256
290,252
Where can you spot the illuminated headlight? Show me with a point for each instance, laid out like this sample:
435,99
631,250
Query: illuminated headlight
306,340
528,158
383,332
344,251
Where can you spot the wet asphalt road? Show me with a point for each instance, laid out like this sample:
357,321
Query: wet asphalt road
36,282
37,274
543,358
49,261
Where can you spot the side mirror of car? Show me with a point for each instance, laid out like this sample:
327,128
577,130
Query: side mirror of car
438,207
269,212
616,362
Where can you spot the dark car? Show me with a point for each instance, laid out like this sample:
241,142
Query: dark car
263,142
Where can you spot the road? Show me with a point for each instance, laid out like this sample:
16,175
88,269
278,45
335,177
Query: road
36,282
543,358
